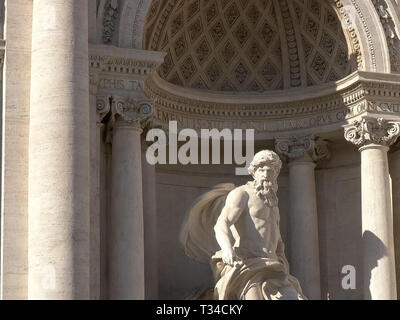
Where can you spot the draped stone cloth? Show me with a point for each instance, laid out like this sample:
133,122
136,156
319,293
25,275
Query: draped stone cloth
267,274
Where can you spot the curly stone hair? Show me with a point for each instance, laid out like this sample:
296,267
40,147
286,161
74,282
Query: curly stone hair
263,157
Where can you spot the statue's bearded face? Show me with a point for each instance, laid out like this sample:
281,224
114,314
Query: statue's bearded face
265,183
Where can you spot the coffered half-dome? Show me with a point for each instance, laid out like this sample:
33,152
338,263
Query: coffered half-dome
249,45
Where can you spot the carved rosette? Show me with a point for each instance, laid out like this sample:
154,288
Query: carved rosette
103,106
372,131
297,147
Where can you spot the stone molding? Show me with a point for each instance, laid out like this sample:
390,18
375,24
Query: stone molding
326,107
302,147
117,79
122,62
369,130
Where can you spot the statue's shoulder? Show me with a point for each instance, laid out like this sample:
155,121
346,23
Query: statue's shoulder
241,191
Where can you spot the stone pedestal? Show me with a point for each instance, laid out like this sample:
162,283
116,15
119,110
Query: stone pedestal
302,153
373,137
59,192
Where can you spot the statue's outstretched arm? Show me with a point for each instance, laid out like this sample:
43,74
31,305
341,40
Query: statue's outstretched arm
280,250
234,206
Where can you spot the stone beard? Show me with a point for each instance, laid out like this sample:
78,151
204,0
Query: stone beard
266,190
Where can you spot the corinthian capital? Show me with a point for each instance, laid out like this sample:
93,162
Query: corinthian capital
132,110
372,131
297,147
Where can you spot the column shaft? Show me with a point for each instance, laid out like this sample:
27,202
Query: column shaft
59,152
304,247
15,153
377,224
126,256
395,174
95,196
150,228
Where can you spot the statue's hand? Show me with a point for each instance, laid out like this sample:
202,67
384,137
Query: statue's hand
229,256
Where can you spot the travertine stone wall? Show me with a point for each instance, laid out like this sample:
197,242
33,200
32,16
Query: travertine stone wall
14,226
339,217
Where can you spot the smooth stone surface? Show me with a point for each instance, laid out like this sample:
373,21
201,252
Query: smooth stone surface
126,241
303,226
377,224
59,193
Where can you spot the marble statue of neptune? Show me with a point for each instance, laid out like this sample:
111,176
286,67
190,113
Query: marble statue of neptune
236,231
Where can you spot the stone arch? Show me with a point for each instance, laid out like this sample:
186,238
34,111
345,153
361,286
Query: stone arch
133,19
368,28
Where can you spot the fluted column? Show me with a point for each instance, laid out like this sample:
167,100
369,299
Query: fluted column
59,152
126,251
373,137
302,153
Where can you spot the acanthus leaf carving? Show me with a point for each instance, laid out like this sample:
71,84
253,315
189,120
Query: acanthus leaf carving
132,110
296,147
372,131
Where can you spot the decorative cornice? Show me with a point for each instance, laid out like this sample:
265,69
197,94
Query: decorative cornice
111,12
369,130
288,111
117,79
123,61
297,147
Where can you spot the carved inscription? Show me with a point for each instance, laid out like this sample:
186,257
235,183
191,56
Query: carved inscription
334,117
114,84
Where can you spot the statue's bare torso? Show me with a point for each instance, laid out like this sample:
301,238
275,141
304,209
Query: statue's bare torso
257,226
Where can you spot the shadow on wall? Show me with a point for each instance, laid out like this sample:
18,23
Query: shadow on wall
377,251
